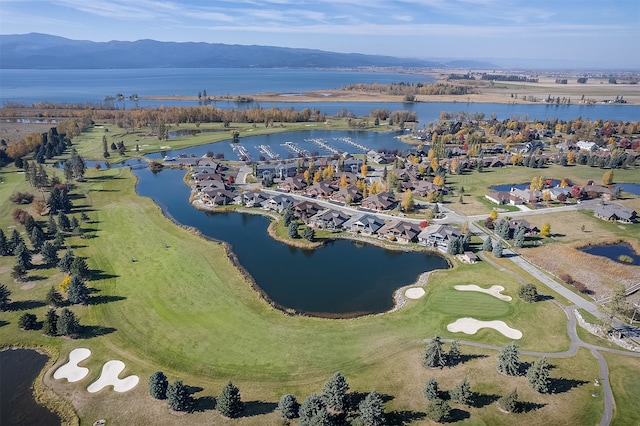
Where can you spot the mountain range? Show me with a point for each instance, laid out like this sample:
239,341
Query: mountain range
43,51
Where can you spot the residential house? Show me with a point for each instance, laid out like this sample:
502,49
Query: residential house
181,160
438,236
349,193
293,183
379,201
321,189
278,203
529,228
503,197
363,224
251,198
469,257
527,195
304,209
615,212
328,219
399,230
595,191
217,196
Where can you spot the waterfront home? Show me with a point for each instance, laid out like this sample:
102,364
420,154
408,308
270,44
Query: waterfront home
181,160
363,224
304,209
503,197
278,203
217,196
595,191
615,212
328,219
399,230
527,195
276,170
379,201
438,236
251,198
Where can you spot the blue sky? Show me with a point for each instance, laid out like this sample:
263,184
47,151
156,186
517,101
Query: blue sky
581,32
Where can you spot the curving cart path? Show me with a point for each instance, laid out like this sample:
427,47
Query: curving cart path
575,344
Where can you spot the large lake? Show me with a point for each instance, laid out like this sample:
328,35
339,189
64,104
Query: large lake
82,86
342,278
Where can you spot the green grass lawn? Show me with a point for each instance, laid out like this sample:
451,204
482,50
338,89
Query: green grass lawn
624,375
182,307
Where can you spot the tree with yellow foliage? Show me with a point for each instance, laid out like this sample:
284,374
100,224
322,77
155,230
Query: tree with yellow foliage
317,176
545,231
364,170
607,178
375,188
328,172
343,182
407,201
306,176
494,214
438,180
434,163
64,285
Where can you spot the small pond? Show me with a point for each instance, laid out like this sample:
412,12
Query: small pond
631,188
507,188
613,252
20,367
341,279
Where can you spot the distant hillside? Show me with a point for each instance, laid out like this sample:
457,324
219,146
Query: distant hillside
42,51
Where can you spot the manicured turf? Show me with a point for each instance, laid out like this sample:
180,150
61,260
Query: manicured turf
469,303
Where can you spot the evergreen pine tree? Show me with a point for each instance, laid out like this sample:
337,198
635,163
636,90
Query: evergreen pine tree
49,253
52,227
434,355
438,410
50,327
430,390
229,403
79,268
487,245
5,248
462,393
497,249
288,406
63,222
53,298
28,321
371,410
509,402
293,229
158,384
66,261
509,360
5,300
335,395
23,256
538,375
15,240
178,397
78,291
313,411
453,357
67,324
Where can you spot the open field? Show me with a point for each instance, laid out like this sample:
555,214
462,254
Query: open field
183,308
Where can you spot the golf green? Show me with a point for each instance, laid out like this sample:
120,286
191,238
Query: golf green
469,304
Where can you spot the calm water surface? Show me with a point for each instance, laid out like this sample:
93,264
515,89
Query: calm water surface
613,251
82,86
341,278
18,370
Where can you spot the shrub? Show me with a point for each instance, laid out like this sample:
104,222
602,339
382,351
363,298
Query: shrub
21,198
28,321
158,385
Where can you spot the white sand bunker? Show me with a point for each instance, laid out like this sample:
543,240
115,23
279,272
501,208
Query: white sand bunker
414,293
472,325
494,290
109,377
71,371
